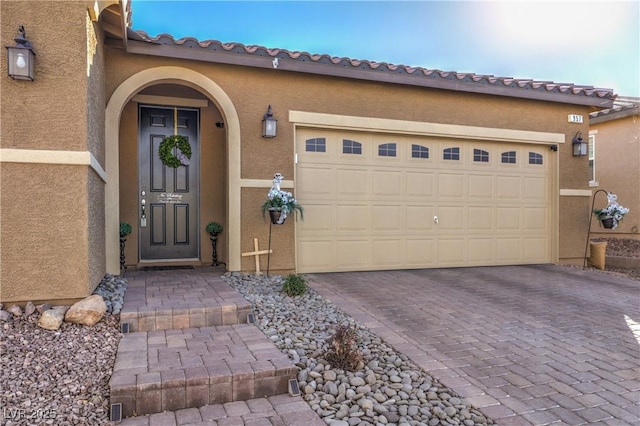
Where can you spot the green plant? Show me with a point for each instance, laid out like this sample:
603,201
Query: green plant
294,285
125,229
343,350
214,228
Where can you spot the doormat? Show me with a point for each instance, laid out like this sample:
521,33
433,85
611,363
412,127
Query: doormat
166,268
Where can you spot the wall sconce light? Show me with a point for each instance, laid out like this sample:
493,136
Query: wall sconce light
269,124
20,58
579,145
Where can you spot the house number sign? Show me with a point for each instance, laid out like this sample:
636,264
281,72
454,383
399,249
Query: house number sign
169,198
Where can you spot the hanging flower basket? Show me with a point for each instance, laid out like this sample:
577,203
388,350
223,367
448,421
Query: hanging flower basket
612,214
183,154
280,203
277,218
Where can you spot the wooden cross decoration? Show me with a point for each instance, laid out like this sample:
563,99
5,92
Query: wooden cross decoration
257,253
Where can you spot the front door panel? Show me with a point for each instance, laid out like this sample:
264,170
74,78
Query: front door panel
167,197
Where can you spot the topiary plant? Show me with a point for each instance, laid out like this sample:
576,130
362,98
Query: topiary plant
125,229
294,285
213,228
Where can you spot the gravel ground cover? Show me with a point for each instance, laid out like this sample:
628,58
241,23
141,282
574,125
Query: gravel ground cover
60,377
56,377
386,388
622,247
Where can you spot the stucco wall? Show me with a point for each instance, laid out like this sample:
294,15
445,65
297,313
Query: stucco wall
618,171
52,215
252,90
44,232
50,112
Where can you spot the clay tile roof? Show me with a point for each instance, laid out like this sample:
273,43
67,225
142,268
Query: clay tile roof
622,107
212,50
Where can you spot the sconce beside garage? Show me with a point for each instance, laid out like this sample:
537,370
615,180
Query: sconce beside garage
579,145
269,124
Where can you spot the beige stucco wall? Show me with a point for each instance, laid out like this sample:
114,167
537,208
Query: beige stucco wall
618,171
52,214
252,90
44,232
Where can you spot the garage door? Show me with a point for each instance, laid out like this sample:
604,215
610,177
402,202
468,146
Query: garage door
379,201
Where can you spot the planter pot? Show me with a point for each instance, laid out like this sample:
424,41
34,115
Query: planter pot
276,217
607,222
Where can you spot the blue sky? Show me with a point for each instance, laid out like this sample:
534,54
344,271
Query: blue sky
594,43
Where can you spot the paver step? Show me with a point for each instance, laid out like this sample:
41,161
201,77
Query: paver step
169,370
172,301
279,410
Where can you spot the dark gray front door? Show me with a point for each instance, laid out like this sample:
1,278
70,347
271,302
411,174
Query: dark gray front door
168,196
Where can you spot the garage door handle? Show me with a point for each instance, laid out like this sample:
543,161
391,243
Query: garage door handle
435,220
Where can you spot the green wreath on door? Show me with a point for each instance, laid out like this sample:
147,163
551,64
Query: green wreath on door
166,151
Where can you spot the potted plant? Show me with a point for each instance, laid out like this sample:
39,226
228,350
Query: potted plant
280,203
125,229
214,229
612,214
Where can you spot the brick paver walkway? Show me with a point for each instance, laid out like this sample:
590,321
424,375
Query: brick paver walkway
526,345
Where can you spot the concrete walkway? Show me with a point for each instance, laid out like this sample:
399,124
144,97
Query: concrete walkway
525,344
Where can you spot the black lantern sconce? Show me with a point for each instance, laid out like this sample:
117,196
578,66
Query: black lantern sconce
20,58
269,124
579,145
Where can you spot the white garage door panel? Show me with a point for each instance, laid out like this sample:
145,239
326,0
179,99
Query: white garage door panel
365,211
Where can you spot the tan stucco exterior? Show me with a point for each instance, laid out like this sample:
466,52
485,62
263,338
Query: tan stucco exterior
617,157
81,195
53,214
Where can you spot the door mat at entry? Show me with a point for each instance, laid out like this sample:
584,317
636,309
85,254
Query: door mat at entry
166,268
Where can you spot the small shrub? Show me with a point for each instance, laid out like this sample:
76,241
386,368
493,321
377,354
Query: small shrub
213,228
125,229
343,350
294,285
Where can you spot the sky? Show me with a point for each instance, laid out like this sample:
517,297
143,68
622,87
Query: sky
593,43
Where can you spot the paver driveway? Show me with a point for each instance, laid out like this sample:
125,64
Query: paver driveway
525,344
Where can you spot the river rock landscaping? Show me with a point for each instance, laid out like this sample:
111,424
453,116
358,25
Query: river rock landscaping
385,388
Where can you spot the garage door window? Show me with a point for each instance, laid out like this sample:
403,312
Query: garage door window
387,150
480,155
419,151
509,157
316,145
451,154
351,147
535,158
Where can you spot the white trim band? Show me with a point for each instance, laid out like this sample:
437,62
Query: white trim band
42,156
576,192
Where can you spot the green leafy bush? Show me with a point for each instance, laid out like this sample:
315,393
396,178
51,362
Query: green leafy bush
294,285
343,350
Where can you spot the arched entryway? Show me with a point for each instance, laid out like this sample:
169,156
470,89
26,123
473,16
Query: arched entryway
117,103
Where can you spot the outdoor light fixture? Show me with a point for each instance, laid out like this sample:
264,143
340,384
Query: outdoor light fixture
20,58
579,145
269,124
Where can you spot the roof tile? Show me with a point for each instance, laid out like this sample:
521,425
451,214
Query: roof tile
471,78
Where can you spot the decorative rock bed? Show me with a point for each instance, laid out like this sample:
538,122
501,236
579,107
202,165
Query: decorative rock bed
387,388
